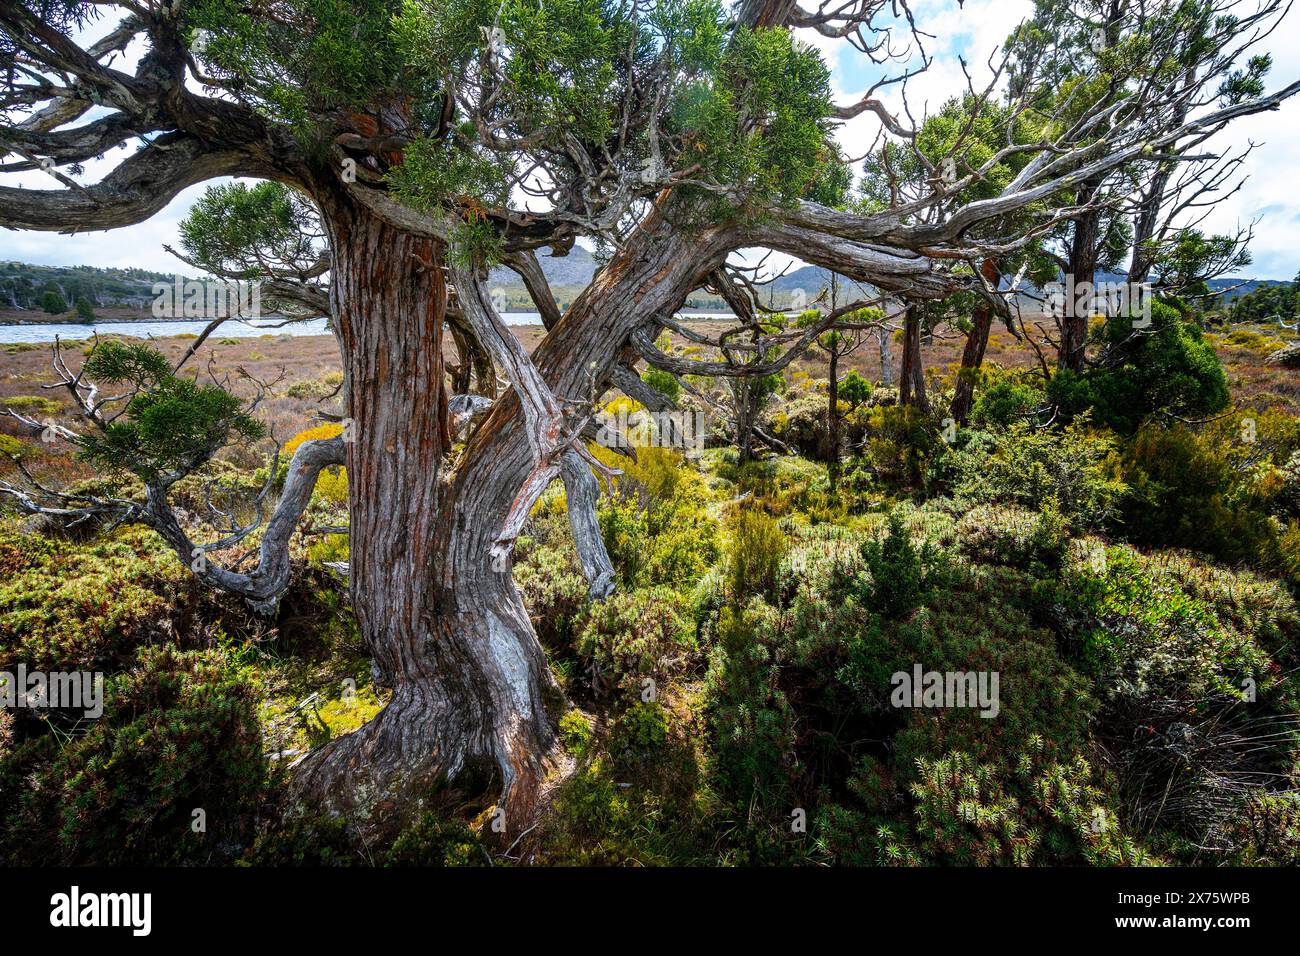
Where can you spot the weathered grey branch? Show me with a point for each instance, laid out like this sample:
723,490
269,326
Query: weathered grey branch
137,189
262,586
581,490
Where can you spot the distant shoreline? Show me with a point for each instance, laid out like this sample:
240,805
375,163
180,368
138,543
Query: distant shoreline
50,320
25,334
7,318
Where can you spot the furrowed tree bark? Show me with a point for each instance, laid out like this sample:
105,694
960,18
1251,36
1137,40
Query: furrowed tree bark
911,379
742,392
972,356
886,360
1083,268
473,700
651,275
475,365
581,490
458,650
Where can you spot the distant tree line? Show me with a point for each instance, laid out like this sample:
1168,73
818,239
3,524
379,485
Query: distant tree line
57,289
1268,303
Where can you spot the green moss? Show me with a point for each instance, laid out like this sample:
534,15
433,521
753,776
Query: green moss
431,841
11,447
575,733
83,606
32,405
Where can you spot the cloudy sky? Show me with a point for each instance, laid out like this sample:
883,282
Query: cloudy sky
1270,197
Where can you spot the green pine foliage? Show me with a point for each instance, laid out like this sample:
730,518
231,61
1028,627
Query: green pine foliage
1166,369
53,303
171,426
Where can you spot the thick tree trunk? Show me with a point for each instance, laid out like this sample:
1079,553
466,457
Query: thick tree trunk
456,646
1084,252
833,420
1083,268
886,359
740,388
471,690
972,356
911,380
474,370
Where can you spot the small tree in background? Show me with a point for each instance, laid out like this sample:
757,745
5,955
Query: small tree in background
53,303
1167,371
85,309
843,340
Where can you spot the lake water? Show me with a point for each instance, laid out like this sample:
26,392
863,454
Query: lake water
46,331
69,331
